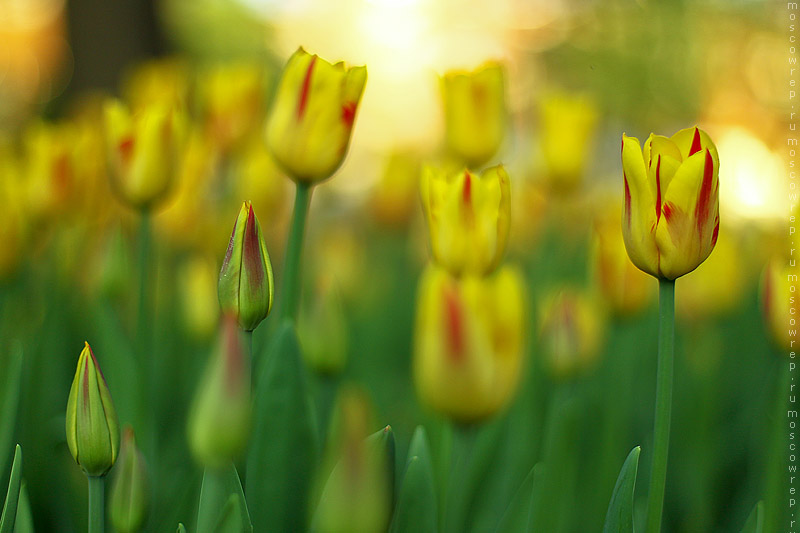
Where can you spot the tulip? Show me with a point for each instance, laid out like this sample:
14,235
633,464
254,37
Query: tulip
625,289
219,421
779,303
245,280
92,427
312,117
129,496
144,150
468,342
571,332
468,218
671,194
475,113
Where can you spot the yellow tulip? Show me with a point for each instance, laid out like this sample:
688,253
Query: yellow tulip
393,199
468,342
567,124
312,117
571,332
468,218
144,150
475,112
199,303
779,302
671,194
625,288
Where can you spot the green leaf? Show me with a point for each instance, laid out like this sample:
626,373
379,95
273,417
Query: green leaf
284,448
517,517
755,523
220,487
24,518
416,509
619,518
181,528
9,517
10,399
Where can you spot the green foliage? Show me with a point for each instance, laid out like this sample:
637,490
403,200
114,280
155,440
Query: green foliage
9,516
619,518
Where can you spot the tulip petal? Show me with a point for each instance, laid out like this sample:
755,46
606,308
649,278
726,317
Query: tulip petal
639,217
687,139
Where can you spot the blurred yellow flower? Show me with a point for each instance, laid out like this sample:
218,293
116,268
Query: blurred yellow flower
160,82
49,169
475,113
312,117
197,290
624,288
671,194
394,196
567,125
468,218
571,329
144,149
468,344
779,302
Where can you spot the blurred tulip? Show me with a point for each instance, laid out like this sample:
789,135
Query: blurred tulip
567,123
312,117
322,330
717,286
393,198
245,281
468,218
468,342
571,329
475,113
145,149
199,303
779,302
671,211
232,100
12,221
357,494
625,288
219,421
92,426
49,170
258,177
158,82
130,493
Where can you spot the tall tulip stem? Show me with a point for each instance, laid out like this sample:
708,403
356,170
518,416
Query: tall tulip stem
666,352
290,294
96,504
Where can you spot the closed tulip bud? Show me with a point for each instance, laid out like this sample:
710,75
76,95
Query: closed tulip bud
779,303
468,218
475,113
219,422
144,150
312,117
671,201
245,281
468,342
624,288
571,333
129,496
92,427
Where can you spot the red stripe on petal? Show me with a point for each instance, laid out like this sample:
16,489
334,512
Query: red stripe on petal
715,234
627,200
126,149
658,189
701,210
305,89
251,250
348,114
696,144
454,324
668,210
467,191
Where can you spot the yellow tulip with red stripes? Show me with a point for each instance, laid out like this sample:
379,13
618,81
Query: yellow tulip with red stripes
312,118
671,201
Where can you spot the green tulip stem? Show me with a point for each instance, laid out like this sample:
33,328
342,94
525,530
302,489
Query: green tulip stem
777,461
248,340
290,292
146,361
144,283
96,504
666,352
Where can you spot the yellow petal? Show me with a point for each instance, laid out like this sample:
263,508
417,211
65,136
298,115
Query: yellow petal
639,208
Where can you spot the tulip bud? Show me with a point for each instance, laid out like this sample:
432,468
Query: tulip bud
129,497
475,113
468,218
671,201
468,342
219,422
92,427
571,332
245,281
567,124
779,302
312,116
144,150
626,289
